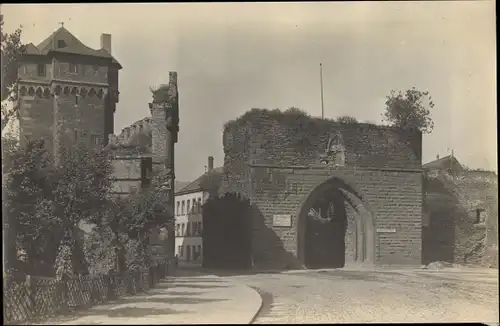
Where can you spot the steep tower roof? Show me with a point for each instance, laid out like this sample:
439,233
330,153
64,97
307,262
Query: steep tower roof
64,42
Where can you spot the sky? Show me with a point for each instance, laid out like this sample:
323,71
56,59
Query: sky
231,57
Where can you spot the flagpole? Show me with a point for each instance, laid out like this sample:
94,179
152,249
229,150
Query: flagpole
321,81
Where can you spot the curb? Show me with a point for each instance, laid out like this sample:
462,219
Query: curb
252,320
260,304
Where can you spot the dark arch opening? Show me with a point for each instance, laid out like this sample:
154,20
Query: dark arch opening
335,227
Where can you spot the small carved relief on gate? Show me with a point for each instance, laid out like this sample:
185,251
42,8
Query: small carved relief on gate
335,151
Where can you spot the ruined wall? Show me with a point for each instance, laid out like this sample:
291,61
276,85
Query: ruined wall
126,173
453,234
294,138
293,141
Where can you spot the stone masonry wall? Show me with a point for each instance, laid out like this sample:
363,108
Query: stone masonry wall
126,167
452,234
85,72
376,159
36,119
394,198
85,117
296,139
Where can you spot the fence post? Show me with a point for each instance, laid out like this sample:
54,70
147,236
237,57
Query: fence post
63,294
151,277
31,295
110,282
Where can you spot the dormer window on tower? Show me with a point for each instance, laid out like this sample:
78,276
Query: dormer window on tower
61,44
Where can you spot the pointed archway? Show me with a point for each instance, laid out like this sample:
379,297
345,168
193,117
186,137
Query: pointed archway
335,227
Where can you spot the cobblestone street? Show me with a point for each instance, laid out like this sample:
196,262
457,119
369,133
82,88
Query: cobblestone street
376,296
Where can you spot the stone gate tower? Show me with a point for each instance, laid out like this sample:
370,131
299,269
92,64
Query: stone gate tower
67,92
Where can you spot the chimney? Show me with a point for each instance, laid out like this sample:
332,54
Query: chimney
106,42
210,163
437,157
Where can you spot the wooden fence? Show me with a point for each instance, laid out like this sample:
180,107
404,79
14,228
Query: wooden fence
36,298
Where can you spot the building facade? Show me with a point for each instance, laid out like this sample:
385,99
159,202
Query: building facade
326,194
67,92
189,219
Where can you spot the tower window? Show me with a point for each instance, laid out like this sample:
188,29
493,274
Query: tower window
41,69
72,68
61,44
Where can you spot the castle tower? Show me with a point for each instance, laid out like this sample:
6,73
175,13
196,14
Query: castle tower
164,122
67,92
164,128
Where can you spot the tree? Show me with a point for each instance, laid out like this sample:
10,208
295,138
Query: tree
81,193
148,209
346,119
410,109
110,235
12,50
28,203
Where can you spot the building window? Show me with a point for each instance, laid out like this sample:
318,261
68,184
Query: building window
189,230
188,206
41,69
75,136
179,250
73,68
478,215
199,251
177,230
198,228
96,140
199,205
178,208
188,252
183,207
182,229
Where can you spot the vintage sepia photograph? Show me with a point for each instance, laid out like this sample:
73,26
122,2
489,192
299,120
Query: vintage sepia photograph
249,163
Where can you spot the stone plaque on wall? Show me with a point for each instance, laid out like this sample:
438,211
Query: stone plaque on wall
385,230
282,220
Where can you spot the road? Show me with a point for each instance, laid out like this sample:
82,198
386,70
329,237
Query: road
357,296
